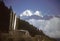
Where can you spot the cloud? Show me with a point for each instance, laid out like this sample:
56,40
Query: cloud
50,27
37,23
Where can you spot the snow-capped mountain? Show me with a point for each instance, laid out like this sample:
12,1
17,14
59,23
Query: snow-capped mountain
27,14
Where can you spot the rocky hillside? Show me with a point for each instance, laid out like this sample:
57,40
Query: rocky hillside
33,30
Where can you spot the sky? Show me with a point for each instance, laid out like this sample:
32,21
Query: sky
43,14
50,7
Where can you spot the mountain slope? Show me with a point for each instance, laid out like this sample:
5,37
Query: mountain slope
33,30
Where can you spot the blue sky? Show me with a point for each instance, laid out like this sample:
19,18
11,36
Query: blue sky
50,7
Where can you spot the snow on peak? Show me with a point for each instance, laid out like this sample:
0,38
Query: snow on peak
26,13
38,13
29,13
